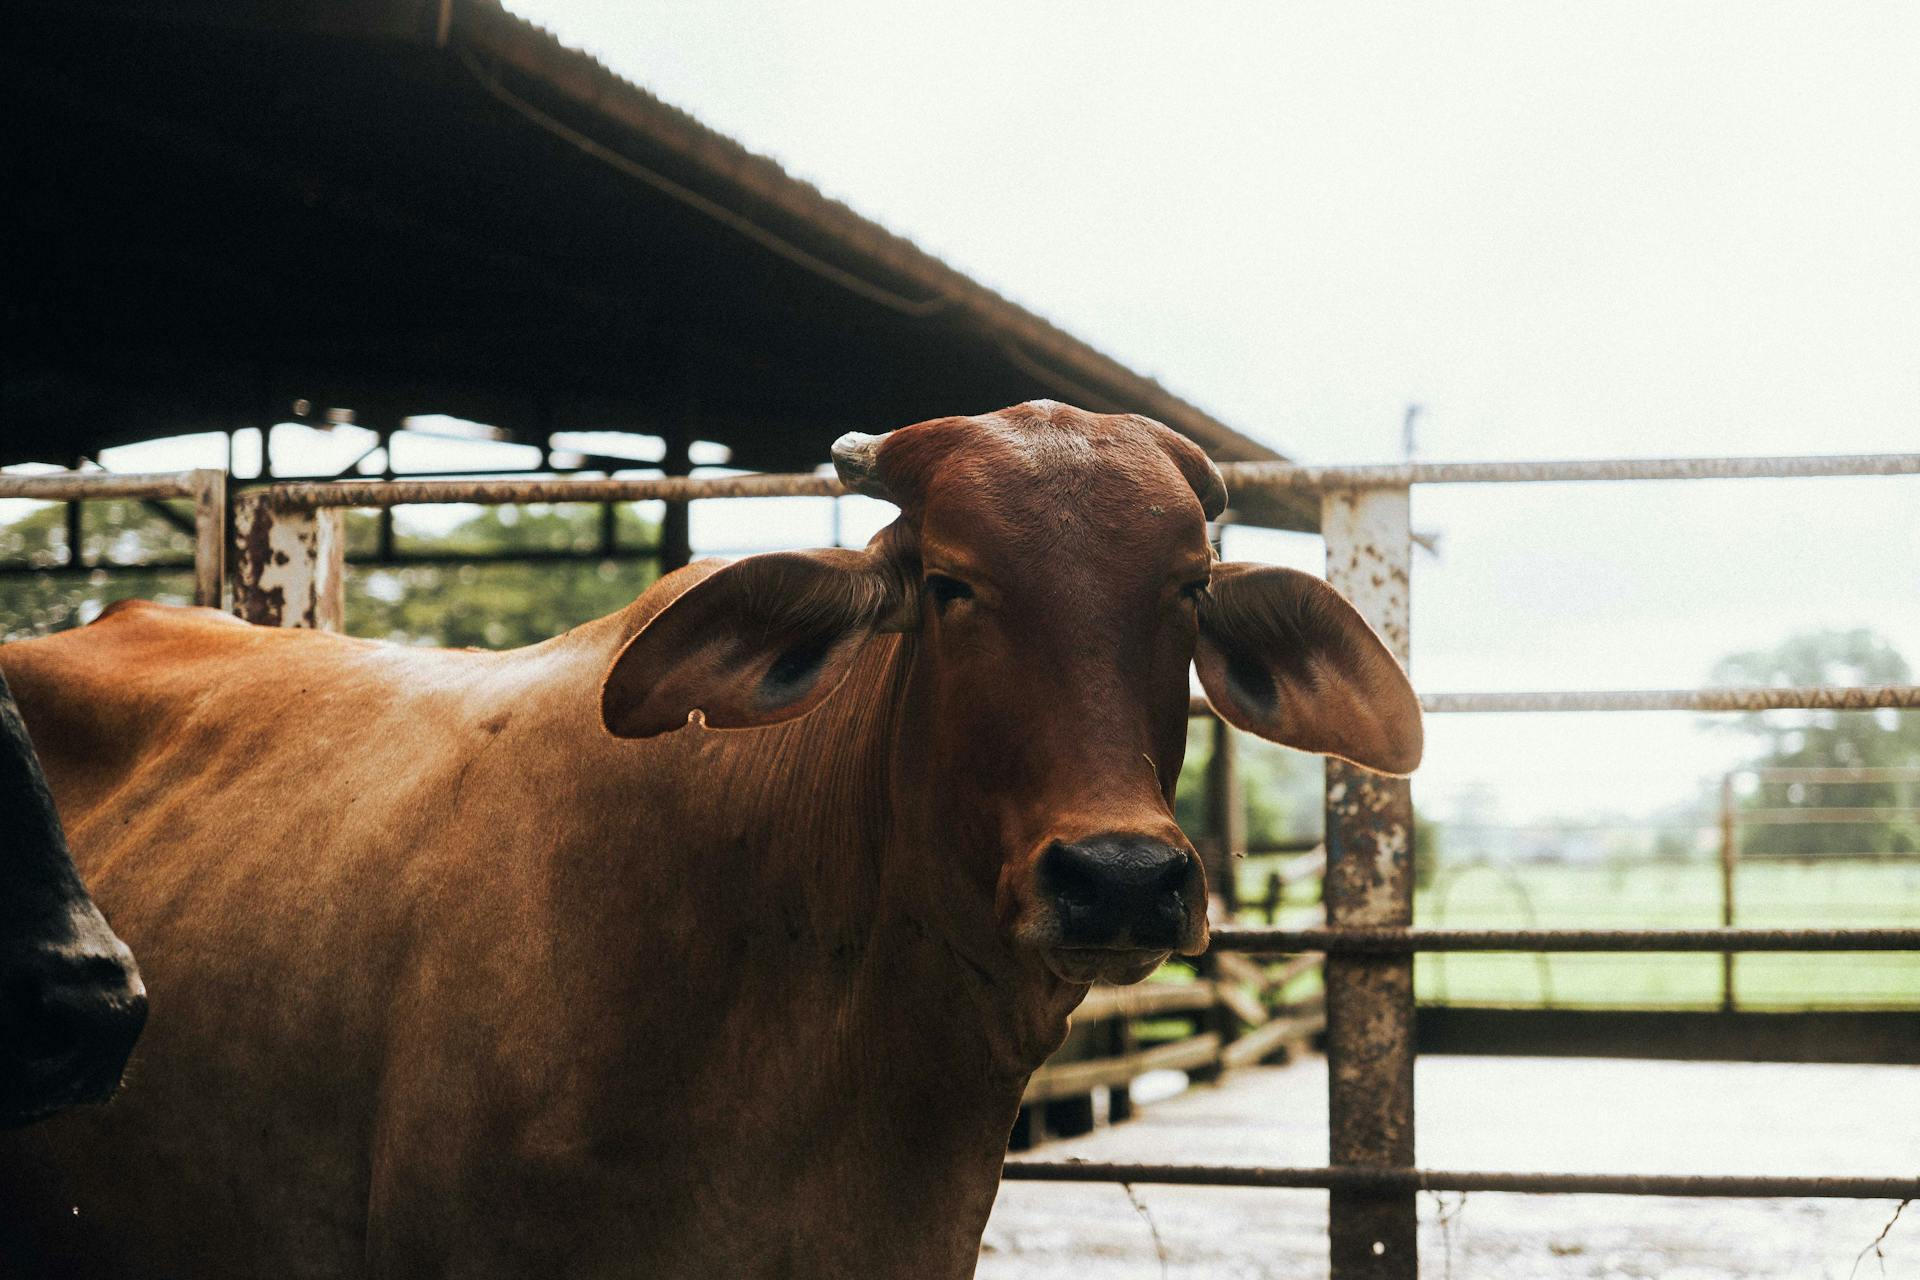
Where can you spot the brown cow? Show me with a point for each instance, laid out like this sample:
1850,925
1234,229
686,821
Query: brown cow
459,983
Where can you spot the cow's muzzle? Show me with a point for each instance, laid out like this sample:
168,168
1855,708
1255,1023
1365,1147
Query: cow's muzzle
1120,904
68,1022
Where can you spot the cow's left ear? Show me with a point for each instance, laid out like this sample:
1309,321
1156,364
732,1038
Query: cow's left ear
1283,655
763,640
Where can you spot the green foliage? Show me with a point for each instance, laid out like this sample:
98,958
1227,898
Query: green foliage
484,605
112,534
1284,792
1651,894
1280,788
1827,739
503,605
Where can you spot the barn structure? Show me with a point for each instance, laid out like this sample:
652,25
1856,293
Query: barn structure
236,213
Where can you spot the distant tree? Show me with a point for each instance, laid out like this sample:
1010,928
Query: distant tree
1827,739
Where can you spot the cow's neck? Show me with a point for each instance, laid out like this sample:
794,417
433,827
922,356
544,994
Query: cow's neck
862,1041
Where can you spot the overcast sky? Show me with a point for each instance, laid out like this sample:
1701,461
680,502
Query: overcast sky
1565,231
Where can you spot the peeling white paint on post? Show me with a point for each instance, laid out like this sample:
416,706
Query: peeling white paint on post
1368,557
1369,881
289,565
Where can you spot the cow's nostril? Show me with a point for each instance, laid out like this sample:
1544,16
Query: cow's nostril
1117,890
1069,870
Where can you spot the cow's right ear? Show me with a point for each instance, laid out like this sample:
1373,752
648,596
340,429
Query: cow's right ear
763,640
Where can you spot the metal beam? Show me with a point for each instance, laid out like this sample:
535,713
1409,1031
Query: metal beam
86,486
1286,475
1353,940
1872,697
209,536
1407,1182
395,493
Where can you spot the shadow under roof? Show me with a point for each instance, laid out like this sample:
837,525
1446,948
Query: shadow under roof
410,207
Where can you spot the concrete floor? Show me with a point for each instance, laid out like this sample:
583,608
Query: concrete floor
1583,1115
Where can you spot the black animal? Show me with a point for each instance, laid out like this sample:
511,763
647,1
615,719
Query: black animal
71,1001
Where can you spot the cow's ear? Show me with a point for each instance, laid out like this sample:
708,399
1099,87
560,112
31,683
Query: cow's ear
763,640
1281,654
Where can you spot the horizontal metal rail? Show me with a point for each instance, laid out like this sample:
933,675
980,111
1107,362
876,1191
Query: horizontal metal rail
1287,475
1359,1178
88,486
1809,816
1393,941
1841,775
1872,697
205,487
394,493
1247,475
1801,698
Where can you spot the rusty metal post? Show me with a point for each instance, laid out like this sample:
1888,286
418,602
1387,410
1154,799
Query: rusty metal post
289,564
1373,1234
1729,855
209,537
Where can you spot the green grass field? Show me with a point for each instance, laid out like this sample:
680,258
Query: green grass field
1664,895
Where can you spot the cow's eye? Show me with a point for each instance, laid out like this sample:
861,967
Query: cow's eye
945,590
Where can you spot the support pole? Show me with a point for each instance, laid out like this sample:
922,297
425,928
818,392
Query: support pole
1373,1234
209,537
289,565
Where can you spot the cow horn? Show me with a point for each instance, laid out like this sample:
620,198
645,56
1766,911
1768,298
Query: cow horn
1213,494
856,458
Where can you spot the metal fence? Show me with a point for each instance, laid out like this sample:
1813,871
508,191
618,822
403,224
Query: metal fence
1369,943
289,572
205,487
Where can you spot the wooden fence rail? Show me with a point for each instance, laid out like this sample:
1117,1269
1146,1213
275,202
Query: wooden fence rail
1235,1016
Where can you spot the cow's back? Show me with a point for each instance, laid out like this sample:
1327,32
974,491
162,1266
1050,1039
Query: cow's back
262,814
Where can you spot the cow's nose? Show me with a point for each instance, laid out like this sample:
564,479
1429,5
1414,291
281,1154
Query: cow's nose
1119,891
71,1021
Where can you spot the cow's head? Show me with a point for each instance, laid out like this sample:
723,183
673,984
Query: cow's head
1052,571
71,1003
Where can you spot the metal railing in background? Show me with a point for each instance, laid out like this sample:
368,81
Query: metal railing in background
1733,817
290,544
206,488
289,572
1369,942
